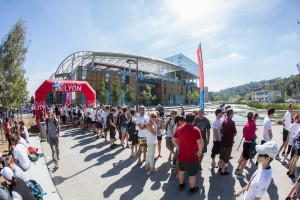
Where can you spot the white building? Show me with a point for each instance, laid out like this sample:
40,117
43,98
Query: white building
265,95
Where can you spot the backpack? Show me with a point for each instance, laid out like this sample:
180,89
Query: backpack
131,127
33,157
36,189
33,150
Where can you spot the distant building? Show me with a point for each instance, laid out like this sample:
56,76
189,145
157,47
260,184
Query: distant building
265,95
206,95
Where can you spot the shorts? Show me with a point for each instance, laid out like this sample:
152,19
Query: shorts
169,143
159,137
134,138
285,135
216,149
92,122
225,154
112,133
246,150
142,141
99,125
123,129
191,168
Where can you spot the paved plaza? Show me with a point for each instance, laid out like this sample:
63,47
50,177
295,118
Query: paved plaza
89,169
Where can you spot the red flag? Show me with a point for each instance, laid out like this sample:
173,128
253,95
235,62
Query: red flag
201,76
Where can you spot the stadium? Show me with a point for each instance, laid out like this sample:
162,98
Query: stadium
170,79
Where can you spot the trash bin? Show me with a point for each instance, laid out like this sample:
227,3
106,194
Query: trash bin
43,134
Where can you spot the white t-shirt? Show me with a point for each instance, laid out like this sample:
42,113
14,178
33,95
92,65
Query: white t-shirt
151,139
171,128
26,134
104,117
293,130
93,115
142,120
266,127
20,153
20,173
260,182
287,120
22,141
98,115
217,125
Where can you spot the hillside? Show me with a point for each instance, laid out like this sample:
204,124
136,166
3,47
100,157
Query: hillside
289,87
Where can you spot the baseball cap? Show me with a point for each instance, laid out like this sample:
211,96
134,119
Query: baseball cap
290,105
270,148
296,116
7,173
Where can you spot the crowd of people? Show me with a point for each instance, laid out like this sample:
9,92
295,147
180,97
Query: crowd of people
187,136
14,165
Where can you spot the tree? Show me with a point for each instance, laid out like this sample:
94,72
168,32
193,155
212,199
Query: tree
101,92
248,97
13,84
147,94
130,95
116,91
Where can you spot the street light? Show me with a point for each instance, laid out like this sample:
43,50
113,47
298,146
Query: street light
136,62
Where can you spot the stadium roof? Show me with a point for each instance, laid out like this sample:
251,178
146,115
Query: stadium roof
103,60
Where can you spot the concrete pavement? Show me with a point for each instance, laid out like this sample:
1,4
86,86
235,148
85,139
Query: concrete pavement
89,169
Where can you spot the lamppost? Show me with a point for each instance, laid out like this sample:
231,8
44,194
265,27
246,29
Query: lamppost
136,62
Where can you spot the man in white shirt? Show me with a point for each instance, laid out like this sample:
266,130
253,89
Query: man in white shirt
217,124
267,127
286,122
141,124
20,153
99,124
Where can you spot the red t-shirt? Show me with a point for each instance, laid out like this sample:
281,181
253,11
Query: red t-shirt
228,130
7,128
187,136
249,130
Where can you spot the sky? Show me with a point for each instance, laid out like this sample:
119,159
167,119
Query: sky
242,41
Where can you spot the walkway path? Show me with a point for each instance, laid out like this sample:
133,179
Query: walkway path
89,169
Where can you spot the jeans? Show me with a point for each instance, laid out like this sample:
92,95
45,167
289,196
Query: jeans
150,155
54,148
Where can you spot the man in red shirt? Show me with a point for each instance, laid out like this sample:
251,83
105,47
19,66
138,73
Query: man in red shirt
190,143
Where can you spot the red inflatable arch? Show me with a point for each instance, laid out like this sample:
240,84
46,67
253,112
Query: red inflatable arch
62,86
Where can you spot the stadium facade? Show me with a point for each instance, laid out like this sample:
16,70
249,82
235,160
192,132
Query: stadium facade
170,79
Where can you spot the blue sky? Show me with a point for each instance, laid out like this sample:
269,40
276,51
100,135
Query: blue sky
242,41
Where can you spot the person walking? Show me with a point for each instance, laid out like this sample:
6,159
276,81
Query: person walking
169,125
249,134
217,135
190,143
151,142
53,131
228,134
262,177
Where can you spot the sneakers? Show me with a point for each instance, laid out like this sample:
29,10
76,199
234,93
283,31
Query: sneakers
181,186
147,166
240,176
283,153
277,157
288,173
292,175
112,147
97,137
115,145
133,155
193,190
173,166
153,170
236,171
56,165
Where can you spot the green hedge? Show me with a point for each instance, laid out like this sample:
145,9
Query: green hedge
277,106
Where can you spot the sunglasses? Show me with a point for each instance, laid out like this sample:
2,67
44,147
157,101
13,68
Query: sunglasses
173,114
153,116
263,155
